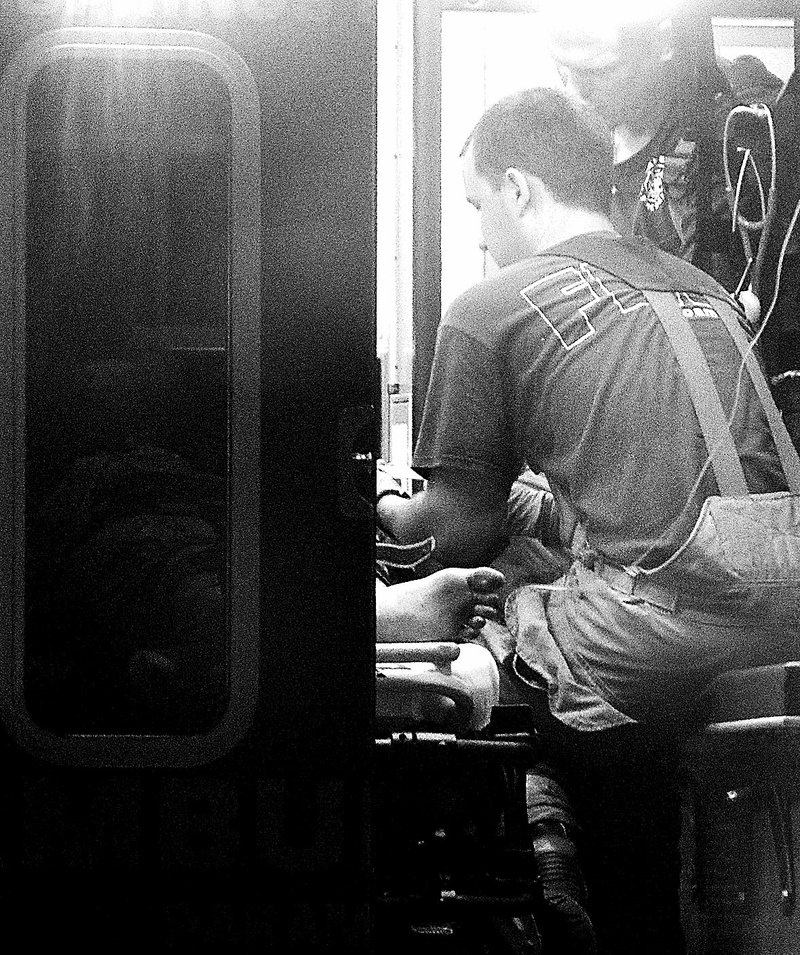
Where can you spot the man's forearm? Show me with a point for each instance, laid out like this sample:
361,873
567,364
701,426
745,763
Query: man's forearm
406,519
465,522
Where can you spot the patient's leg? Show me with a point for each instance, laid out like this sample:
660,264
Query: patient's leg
437,607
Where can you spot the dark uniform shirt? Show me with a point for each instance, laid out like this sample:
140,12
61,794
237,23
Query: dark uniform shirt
657,191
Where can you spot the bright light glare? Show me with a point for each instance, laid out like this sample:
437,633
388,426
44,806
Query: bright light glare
133,11
122,10
608,12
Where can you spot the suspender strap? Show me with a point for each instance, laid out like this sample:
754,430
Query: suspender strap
790,461
703,393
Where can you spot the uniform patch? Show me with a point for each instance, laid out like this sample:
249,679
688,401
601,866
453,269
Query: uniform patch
652,194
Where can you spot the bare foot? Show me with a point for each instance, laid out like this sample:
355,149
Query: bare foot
451,604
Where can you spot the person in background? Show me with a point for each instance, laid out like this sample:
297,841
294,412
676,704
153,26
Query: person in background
665,99
750,80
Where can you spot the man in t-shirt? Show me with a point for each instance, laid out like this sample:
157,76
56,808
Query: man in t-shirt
560,362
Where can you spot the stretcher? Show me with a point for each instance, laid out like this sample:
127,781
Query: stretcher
445,686
454,867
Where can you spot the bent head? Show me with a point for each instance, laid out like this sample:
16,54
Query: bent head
529,152
620,64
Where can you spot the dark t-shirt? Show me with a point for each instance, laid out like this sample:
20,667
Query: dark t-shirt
656,192
559,362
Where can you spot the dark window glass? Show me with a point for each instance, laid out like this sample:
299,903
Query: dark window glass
128,165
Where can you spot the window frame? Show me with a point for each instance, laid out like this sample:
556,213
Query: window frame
244,320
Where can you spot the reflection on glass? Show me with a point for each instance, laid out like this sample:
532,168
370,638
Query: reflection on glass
126,338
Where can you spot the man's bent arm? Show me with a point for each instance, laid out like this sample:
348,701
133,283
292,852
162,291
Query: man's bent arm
465,513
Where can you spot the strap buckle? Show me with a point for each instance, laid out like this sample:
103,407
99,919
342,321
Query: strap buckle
637,586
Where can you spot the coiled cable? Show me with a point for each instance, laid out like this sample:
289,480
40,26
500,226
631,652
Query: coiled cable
761,113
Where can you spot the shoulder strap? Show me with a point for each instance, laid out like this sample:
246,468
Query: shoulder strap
790,461
703,393
705,398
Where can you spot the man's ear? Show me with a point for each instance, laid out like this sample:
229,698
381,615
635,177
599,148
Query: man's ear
519,187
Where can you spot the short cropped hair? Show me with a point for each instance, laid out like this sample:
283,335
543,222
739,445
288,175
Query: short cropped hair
548,134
